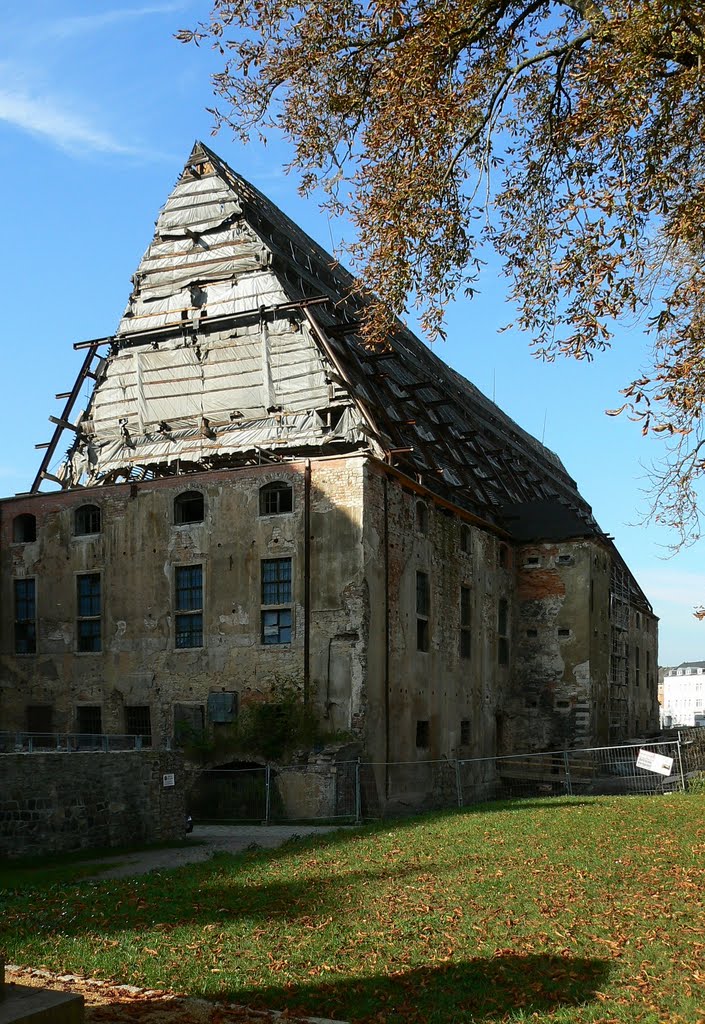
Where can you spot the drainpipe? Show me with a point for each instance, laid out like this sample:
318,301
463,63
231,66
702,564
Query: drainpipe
307,579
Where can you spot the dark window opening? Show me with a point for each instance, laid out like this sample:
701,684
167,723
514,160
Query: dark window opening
502,632
188,508
423,735
39,719
465,539
89,720
189,720
24,529
138,722
86,520
188,580
465,733
465,622
565,559
275,499
503,556
637,667
532,560
532,633
25,616
423,611
88,618
563,632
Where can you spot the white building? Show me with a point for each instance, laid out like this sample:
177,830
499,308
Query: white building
684,695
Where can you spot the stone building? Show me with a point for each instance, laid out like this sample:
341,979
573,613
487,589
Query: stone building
684,695
251,496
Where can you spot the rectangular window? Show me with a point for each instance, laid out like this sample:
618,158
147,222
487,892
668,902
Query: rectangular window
423,735
88,621
637,667
188,581
89,720
276,590
25,616
276,581
465,622
138,722
423,611
40,724
503,632
465,733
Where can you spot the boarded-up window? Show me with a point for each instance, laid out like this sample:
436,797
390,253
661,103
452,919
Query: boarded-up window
222,708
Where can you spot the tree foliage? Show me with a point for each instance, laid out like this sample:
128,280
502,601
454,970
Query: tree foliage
568,134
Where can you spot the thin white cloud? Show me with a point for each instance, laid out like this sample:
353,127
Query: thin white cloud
81,24
66,128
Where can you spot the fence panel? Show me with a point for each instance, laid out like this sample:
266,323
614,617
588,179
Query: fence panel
605,771
225,795
316,792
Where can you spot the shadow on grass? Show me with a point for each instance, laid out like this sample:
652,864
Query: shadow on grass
484,989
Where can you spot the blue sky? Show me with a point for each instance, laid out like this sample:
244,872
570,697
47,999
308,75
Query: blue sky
99,108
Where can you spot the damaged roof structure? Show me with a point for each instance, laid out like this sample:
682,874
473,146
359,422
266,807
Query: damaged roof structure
251,494
240,343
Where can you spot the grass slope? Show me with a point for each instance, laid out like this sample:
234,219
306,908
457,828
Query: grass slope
561,910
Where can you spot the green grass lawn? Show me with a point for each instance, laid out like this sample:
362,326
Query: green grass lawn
561,910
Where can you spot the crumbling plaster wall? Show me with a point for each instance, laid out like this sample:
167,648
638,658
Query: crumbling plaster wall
558,671
562,691
136,552
437,686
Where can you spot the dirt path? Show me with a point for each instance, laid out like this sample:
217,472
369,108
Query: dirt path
205,840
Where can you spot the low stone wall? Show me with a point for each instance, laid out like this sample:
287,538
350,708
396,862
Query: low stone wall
59,802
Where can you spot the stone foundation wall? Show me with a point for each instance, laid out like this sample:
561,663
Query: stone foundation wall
59,802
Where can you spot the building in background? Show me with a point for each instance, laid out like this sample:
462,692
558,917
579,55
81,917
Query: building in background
251,496
684,695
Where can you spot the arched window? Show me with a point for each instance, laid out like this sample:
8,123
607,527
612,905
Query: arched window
275,498
86,520
188,508
465,538
421,517
24,529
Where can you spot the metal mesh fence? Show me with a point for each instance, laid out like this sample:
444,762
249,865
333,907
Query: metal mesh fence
353,791
68,742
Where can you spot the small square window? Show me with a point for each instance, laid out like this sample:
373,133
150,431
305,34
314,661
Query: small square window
189,507
86,520
276,626
275,499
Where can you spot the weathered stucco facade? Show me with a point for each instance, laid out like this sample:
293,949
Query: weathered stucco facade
251,497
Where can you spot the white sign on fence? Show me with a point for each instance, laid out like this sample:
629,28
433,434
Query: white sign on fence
168,780
654,762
